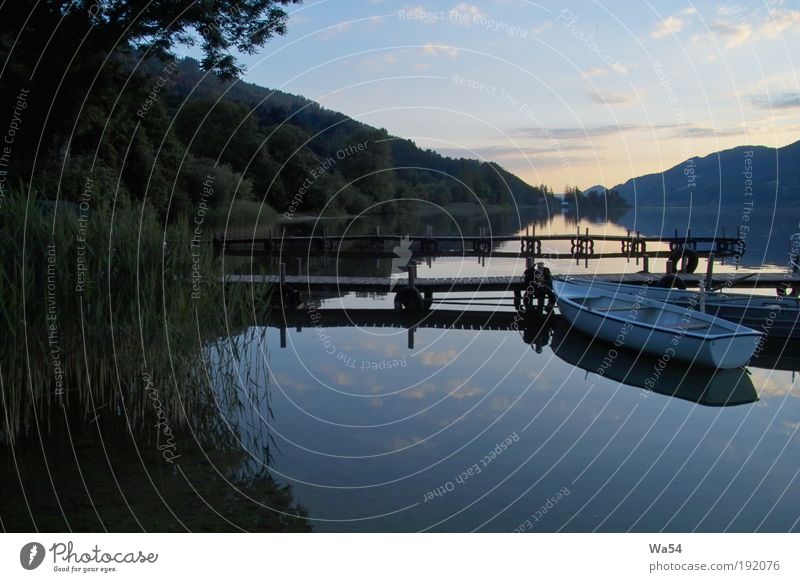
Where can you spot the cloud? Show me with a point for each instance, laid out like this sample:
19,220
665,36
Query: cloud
595,72
620,68
610,98
582,133
465,14
688,11
700,131
670,25
735,33
336,30
542,27
440,50
378,63
438,358
420,14
785,101
779,21
673,130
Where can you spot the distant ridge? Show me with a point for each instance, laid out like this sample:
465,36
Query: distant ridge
766,176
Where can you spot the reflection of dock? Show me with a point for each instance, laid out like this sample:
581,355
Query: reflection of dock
534,329
436,319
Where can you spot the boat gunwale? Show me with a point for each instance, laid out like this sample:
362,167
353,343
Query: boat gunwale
685,333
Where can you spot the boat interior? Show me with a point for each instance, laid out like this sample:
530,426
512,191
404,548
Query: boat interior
621,307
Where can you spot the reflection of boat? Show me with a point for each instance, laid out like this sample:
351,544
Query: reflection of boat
686,381
662,329
777,354
778,316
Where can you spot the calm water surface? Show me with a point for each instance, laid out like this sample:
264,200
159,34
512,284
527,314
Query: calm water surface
375,427
480,430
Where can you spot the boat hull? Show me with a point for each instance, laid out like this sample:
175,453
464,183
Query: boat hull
775,316
723,351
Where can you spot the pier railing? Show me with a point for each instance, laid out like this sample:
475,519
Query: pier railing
583,245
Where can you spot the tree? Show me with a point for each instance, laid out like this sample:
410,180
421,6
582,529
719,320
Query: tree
64,51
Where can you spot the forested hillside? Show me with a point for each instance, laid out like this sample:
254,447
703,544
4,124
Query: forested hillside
160,129
758,175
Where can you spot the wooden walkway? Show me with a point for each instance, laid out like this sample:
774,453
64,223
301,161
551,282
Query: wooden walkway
507,283
581,245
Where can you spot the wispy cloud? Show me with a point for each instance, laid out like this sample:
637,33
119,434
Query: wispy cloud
779,21
670,25
336,30
610,98
420,14
595,72
440,50
620,68
563,133
465,14
784,101
734,33
666,130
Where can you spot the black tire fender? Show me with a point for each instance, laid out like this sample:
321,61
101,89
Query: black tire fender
670,281
684,253
408,299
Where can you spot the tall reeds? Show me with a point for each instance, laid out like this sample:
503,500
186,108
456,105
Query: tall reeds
105,310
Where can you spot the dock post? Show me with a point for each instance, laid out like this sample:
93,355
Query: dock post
710,271
646,264
411,331
670,268
412,273
324,241
283,336
299,265
282,278
517,299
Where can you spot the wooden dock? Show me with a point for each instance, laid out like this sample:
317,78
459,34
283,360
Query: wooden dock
338,284
582,245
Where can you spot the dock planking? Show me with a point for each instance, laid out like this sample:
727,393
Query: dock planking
342,284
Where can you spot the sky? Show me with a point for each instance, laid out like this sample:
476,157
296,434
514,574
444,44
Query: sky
560,93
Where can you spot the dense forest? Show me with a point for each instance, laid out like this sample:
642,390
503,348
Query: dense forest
178,133
594,198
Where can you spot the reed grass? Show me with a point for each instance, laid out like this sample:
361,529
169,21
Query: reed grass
110,292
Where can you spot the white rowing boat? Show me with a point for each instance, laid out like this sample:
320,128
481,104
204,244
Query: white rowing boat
780,316
665,330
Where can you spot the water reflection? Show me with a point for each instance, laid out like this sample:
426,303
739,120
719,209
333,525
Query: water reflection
210,471
690,382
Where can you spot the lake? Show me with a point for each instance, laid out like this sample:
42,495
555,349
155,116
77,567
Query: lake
373,427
